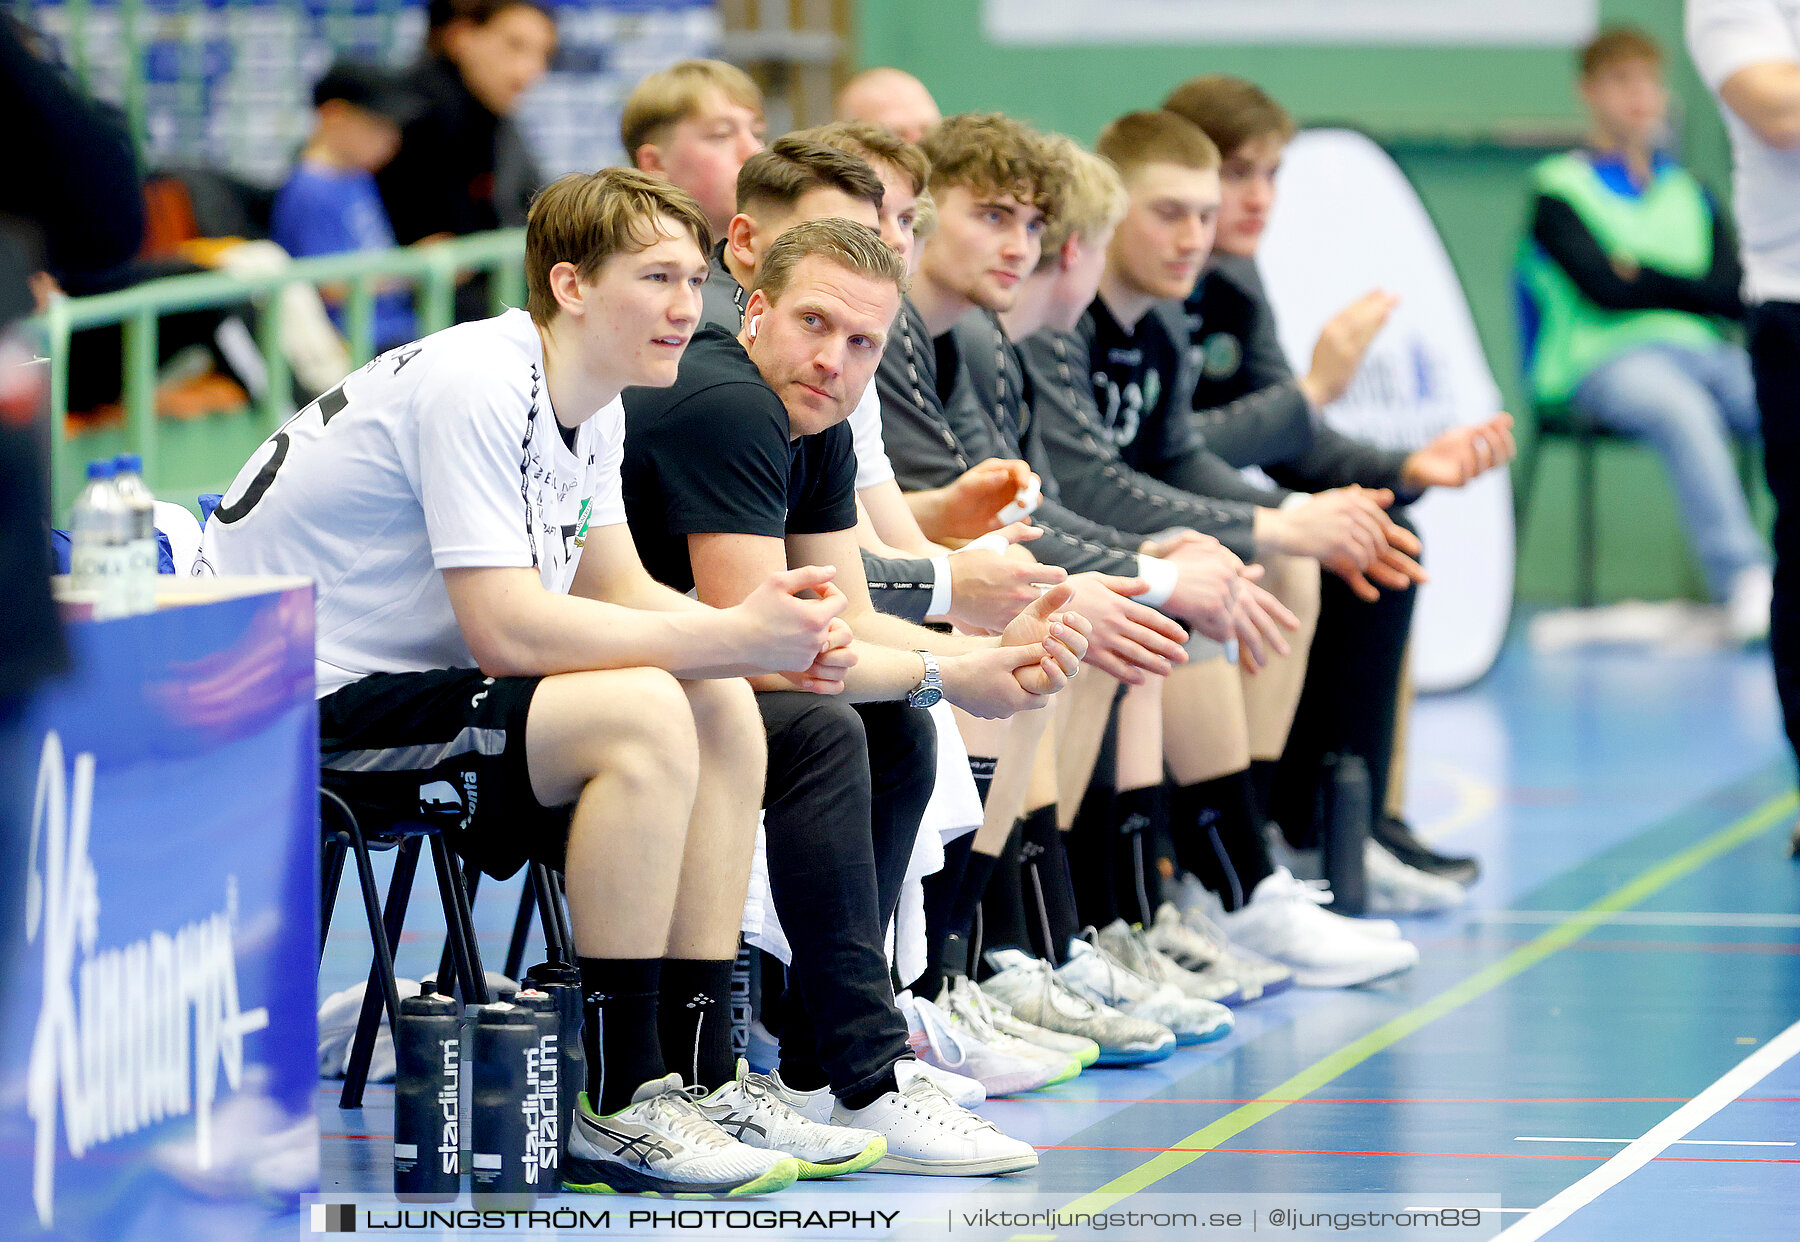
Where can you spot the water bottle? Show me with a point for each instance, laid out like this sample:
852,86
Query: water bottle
428,1052
98,534
542,1104
140,547
562,983
1346,830
506,1038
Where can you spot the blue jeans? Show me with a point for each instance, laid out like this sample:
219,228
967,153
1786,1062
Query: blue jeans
1687,402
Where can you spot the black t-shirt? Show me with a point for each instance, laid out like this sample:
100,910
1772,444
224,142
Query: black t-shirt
711,455
1134,375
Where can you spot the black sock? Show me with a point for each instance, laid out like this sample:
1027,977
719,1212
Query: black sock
941,889
959,940
983,772
1049,896
1218,837
694,1018
1262,782
1002,905
1135,882
1089,847
619,1028
862,1097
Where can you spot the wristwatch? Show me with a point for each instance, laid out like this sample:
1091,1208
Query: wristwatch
930,690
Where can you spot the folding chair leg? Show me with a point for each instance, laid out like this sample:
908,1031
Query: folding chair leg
521,931
561,906
331,876
549,903
1586,518
382,990
456,913
471,878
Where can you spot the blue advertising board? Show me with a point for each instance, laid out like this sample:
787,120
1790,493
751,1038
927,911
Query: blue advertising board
157,1052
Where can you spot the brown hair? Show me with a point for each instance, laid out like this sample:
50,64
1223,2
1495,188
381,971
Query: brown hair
587,218
993,154
439,14
778,175
875,143
1616,44
845,242
1230,110
1093,197
1140,138
676,93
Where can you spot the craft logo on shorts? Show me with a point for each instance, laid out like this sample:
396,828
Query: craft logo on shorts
334,1218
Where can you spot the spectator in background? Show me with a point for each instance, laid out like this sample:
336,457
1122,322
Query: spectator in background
1748,52
463,166
890,98
1629,274
694,124
330,204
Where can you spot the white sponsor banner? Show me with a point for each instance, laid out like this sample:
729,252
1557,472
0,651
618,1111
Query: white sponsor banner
1543,23
1347,221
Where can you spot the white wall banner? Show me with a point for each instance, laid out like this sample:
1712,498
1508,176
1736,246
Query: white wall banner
1541,23
1347,221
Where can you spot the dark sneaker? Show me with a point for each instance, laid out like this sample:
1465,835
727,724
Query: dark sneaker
1397,838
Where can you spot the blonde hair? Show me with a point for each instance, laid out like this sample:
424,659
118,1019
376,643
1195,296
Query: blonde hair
1093,197
875,144
676,93
587,218
1140,138
844,242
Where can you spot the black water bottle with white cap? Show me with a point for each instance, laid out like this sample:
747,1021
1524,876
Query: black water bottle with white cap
543,1093
506,1041
562,982
428,1054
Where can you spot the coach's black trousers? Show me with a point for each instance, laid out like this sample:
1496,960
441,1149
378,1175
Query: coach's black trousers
847,787
1348,702
1775,361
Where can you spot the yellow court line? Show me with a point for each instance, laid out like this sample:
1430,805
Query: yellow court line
1775,811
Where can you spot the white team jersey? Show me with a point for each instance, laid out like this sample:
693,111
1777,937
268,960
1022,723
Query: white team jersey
442,454
872,464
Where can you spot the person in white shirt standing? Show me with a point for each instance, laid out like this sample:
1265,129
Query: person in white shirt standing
1748,53
492,655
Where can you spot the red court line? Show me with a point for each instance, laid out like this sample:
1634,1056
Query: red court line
1442,1155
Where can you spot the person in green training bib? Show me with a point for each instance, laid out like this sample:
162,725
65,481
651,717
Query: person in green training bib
1628,277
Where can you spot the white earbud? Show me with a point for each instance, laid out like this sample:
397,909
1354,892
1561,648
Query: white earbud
751,326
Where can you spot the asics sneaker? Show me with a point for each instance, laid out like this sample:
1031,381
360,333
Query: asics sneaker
1200,943
1283,920
751,1112
1132,946
1099,976
1203,900
938,1039
962,999
662,1144
1001,1017
1033,991
1394,887
927,1133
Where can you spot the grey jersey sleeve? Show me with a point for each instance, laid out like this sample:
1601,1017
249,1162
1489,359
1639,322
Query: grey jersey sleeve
900,586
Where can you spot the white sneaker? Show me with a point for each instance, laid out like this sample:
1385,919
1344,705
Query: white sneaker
1195,941
1203,901
1033,991
988,1021
1392,887
1001,1017
938,1039
1747,605
751,1112
927,1133
1099,976
1283,920
661,1143
1131,945
816,1105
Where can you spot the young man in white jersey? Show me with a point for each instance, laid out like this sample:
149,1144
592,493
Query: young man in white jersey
487,634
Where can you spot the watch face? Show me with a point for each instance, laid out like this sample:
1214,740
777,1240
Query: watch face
925,696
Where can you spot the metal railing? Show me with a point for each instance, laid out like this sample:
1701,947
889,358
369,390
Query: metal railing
433,270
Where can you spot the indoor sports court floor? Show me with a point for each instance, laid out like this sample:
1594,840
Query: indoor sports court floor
1608,1032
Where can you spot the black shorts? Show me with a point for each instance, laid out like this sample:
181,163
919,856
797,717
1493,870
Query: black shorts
447,748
